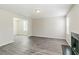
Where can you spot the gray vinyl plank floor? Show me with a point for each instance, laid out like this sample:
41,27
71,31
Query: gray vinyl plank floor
24,45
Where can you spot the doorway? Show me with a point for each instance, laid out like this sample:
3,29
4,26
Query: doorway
20,26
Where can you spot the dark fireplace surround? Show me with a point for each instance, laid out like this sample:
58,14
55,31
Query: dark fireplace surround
75,43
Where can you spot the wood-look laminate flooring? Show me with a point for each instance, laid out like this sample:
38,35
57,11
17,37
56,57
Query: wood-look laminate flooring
24,45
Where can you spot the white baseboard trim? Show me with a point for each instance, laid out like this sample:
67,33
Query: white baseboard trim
6,43
48,37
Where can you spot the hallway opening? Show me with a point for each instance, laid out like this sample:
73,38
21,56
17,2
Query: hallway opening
20,26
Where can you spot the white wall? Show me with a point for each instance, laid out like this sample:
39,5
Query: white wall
6,27
73,18
51,27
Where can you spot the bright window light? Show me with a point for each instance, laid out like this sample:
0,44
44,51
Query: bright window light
25,25
67,25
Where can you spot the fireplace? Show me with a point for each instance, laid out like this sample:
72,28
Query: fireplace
75,43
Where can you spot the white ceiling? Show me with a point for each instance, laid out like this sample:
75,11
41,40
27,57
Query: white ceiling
46,10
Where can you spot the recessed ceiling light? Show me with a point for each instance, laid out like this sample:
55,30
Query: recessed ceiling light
37,10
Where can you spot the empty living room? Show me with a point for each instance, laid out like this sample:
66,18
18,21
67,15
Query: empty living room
39,29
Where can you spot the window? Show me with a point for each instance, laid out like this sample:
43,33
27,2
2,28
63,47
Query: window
25,25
